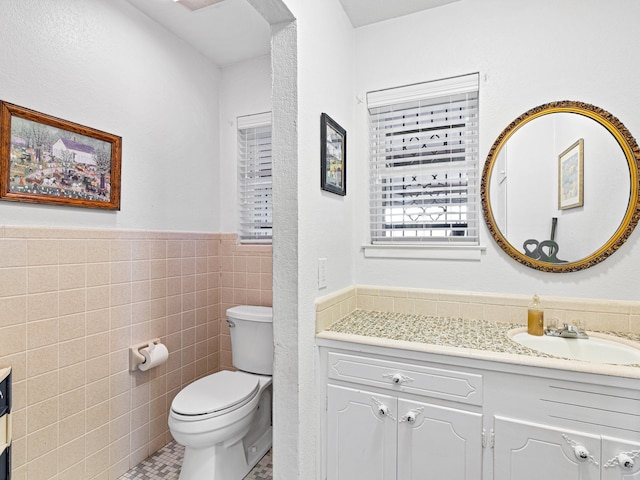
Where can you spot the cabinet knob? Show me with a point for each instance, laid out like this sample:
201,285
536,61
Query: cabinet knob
625,461
383,410
412,415
581,452
397,378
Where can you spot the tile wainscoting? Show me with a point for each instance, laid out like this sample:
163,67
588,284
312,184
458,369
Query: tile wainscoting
604,315
71,303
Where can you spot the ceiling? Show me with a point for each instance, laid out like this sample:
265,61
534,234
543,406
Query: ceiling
365,12
232,30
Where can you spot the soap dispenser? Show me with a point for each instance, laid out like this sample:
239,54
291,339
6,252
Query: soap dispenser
535,317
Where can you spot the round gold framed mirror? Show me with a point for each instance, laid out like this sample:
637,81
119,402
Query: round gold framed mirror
559,187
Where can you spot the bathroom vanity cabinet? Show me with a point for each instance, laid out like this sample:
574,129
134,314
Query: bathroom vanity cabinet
393,431
403,414
527,451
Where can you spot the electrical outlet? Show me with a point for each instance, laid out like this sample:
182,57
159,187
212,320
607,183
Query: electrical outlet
322,273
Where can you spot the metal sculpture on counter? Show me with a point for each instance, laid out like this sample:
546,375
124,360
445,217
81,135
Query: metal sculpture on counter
546,250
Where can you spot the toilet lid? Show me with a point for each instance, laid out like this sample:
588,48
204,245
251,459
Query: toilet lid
221,391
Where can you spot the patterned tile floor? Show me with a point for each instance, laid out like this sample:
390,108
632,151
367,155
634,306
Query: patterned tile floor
165,465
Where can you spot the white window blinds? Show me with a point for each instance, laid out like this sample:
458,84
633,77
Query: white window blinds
424,163
254,178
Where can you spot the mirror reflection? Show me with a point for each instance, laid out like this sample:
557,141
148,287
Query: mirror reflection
526,191
559,188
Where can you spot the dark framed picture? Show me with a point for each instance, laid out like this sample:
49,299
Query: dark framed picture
571,176
44,159
333,156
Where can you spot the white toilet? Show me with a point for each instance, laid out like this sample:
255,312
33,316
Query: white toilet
224,419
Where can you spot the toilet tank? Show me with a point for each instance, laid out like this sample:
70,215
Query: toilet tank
251,330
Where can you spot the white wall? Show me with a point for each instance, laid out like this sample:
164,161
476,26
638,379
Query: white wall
531,184
325,72
103,64
245,89
313,73
527,53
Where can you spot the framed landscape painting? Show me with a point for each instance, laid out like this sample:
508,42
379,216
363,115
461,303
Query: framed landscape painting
333,156
44,159
571,176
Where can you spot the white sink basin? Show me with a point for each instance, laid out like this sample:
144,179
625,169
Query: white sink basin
598,348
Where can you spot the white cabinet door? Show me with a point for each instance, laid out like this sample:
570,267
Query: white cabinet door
620,459
438,443
530,451
361,435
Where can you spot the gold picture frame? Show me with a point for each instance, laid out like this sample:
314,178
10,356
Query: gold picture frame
44,159
571,176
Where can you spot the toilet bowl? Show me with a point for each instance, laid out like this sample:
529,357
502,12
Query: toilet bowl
224,419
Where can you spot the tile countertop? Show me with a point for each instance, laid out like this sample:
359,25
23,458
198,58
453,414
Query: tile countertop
459,337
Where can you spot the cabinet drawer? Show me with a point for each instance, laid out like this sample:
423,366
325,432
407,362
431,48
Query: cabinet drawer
407,377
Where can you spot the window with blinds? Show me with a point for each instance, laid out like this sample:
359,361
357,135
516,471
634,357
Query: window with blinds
424,163
254,178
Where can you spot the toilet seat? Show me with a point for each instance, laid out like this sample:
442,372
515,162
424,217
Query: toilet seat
215,395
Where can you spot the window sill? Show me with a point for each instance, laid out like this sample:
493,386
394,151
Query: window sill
433,252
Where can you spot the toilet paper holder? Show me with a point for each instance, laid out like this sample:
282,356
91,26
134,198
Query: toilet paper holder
135,357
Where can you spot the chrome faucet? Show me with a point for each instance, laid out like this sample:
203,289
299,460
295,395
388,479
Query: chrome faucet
567,331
